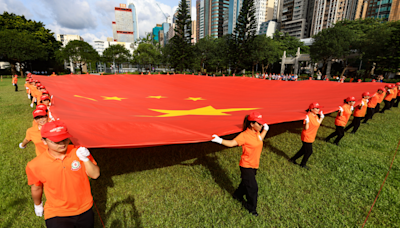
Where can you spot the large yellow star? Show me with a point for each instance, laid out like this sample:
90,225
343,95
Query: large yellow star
205,111
156,97
85,97
195,99
113,98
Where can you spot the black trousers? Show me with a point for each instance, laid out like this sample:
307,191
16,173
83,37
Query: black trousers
84,220
396,103
355,124
387,106
16,87
31,97
305,150
248,187
370,113
392,102
377,107
339,133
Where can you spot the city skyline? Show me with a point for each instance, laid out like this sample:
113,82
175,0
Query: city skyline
91,19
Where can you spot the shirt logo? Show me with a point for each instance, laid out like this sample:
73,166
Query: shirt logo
75,165
57,129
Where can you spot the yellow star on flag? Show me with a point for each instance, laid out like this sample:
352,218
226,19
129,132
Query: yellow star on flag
85,97
156,97
113,98
205,111
195,99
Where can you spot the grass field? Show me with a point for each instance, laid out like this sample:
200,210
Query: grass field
190,185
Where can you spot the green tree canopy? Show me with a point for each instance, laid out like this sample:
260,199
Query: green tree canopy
79,52
117,54
146,54
32,37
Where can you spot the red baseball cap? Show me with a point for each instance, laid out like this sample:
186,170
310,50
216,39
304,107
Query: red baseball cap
42,87
41,107
39,112
56,131
37,81
44,97
38,84
30,80
388,86
256,116
366,94
350,99
314,105
45,92
27,79
382,89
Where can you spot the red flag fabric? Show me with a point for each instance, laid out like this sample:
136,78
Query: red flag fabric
149,110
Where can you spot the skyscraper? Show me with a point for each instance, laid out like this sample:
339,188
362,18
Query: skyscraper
294,16
135,20
384,9
123,25
211,17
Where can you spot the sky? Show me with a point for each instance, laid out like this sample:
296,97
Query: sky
91,19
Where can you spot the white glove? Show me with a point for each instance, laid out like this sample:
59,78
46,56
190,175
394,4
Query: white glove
362,104
83,153
266,127
367,100
322,115
26,88
31,105
307,119
352,108
216,139
39,209
13,84
340,108
29,96
22,147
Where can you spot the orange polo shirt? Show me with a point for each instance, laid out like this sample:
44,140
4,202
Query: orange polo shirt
252,145
380,97
389,95
360,112
33,134
342,120
15,80
309,135
395,93
65,182
373,101
398,92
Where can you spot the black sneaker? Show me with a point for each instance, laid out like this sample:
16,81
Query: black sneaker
306,167
292,161
254,213
239,199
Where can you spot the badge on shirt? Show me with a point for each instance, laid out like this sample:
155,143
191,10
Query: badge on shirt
260,137
75,165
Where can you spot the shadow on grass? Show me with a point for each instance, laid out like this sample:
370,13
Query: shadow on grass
113,162
17,205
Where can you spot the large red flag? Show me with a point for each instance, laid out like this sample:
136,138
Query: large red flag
148,110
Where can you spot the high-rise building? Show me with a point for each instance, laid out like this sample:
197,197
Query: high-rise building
194,32
395,11
156,30
211,17
65,38
293,17
201,19
384,9
123,25
135,21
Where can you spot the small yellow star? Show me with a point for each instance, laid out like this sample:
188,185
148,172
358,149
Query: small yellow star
113,98
204,111
195,99
156,97
85,97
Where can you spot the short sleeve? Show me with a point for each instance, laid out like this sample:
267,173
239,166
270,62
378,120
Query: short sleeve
240,139
92,159
32,178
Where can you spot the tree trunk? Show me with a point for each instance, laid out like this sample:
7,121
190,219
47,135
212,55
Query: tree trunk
252,70
262,68
20,70
344,70
13,69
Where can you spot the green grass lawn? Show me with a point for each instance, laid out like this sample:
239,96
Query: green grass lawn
190,185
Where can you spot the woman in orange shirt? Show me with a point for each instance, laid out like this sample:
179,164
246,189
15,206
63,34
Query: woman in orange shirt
398,95
310,127
33,133
359,113
251,141
341,120
15,82
388,98
373,102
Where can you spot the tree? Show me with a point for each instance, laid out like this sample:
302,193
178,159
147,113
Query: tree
243,34
181,49
274,53
290,44
146,54
19,27
204,50
331,43
79,52
116,54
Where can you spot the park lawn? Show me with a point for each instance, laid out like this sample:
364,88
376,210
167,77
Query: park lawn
190,185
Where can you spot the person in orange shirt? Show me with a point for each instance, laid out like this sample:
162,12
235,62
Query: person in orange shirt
31,84
35,92
15,82
341,120
388,98
359,113
33,133
396,104
26,84
44,108
310,128
381,96
62,172
373,104
251,139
